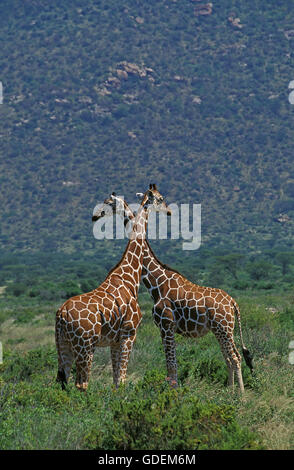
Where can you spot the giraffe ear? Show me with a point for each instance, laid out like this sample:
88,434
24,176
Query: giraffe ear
113,194
150,186
154,187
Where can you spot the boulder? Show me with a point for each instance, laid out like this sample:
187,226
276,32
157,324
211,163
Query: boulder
203,9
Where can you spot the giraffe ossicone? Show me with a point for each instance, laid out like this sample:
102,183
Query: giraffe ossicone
188,309
108,315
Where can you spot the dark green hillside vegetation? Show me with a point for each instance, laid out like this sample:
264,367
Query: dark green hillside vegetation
103,96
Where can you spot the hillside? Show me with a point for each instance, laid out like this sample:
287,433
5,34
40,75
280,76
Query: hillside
109,96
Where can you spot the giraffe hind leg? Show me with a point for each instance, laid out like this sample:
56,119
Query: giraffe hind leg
236,364
229,365
83,365
115,356
232,358
65,359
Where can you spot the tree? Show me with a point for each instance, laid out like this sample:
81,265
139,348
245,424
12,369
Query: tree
284,259
230,263
259,269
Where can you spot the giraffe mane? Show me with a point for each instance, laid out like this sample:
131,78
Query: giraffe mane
166,266
119,262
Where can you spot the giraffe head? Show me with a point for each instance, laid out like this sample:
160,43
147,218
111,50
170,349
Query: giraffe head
153,200
117,205
112,205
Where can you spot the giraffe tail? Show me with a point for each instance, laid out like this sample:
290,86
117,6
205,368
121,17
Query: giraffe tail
61,376
246,353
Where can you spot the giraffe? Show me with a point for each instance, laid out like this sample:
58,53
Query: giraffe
183,307
108,315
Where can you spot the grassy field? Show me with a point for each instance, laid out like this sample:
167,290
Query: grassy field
145,414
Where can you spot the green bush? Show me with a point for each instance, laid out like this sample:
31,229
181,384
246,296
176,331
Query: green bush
16,289
88,284
71,288
24,366
151,415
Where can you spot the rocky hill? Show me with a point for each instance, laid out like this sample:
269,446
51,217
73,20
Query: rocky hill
109,96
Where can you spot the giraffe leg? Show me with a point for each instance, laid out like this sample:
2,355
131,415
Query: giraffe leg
125,349
228,362
236,365
115,355
169,345
233,360
164,319
231,374
83,365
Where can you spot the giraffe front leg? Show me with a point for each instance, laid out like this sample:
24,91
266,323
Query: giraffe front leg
125,349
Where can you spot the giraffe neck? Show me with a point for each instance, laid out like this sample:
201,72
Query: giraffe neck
153,273
152,268
130,266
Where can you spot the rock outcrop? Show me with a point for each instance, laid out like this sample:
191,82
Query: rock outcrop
203,9
235,22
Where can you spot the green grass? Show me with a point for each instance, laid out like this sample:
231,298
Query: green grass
145,414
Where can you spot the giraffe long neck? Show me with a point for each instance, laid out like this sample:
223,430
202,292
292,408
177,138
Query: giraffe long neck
153,272
152,268
130,266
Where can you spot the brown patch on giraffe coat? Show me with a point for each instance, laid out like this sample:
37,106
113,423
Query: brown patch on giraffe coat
107,303
79,305
218,297
173,284
92,307
92,317
201,310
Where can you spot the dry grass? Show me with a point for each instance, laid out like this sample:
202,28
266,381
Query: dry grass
27,336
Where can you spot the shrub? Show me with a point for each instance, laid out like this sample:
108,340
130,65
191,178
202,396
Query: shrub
71,288
16,289
150,415
23,367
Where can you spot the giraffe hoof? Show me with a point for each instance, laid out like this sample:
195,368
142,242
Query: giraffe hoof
173,383
82,387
